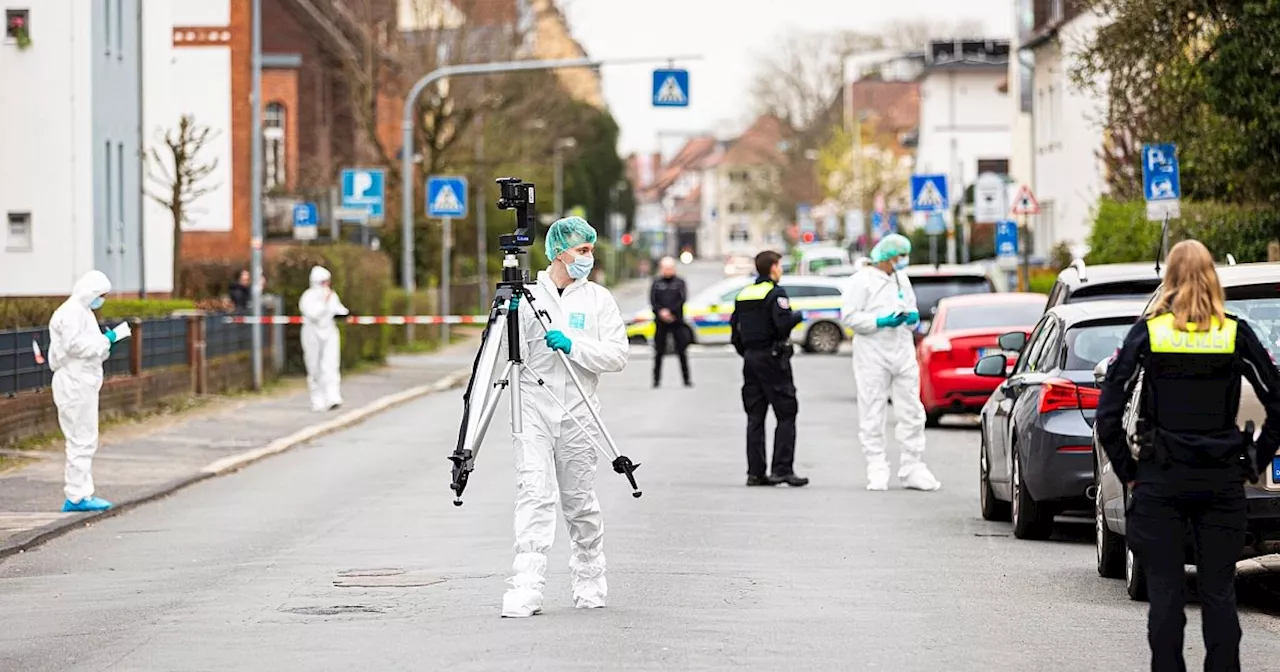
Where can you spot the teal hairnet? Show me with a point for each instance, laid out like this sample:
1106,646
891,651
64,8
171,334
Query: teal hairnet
568,233
889,247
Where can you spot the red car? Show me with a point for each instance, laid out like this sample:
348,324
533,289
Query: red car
964,330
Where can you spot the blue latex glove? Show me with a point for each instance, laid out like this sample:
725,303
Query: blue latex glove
890,321
913,318
111,336
556,340
515,302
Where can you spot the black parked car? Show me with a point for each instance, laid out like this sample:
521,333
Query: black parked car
1036,455
1253,296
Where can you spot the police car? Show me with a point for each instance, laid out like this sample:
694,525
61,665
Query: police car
707,314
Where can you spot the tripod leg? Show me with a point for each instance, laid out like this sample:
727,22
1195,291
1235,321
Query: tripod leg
490,405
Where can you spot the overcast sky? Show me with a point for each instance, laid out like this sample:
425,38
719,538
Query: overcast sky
728,34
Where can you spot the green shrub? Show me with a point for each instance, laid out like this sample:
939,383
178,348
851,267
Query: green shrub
23,312
1042,281
362,279
206,279
1121,232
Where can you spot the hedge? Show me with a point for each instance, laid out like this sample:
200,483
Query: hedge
1121,232
23,312
362,279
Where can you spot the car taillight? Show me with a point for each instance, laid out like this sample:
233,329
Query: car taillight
1058,394
938,344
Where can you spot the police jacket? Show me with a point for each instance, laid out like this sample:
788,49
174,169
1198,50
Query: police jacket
1190,394
669,293
762,317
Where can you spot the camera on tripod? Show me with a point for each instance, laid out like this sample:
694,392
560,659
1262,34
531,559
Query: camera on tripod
516,194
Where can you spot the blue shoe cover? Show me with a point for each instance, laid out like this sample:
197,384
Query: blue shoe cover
86,504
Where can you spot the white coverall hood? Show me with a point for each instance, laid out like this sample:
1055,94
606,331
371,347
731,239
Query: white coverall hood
77,349
319,274
884,361
552,449
321,344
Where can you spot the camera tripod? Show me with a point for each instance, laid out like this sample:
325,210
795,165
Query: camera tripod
504,317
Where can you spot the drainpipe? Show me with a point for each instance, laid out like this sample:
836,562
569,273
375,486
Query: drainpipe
142,161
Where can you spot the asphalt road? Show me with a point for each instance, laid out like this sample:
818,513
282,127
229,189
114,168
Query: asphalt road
349,555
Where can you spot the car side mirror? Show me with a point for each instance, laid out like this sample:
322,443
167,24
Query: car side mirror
1012,341
991,366
1100,371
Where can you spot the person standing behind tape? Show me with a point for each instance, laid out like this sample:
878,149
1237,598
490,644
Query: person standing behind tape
77,350
321,342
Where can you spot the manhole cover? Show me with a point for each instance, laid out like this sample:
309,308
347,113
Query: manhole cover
334,611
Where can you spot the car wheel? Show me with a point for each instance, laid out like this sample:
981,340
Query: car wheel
1031,519
1110,547
1135,577
824,338
933,419
992,508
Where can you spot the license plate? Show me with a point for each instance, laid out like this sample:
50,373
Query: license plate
987,352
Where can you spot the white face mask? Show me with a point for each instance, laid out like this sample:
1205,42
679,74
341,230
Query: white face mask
581,266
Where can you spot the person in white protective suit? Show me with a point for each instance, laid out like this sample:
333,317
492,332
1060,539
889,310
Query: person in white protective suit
77,349
880,307
321,344
553,450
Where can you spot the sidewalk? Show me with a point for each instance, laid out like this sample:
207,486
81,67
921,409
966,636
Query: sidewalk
137,464
133,466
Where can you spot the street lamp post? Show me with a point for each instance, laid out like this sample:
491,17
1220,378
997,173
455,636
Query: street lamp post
561,145
255,191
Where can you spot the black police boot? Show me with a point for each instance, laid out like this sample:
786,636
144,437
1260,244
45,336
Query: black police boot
790,479
760,480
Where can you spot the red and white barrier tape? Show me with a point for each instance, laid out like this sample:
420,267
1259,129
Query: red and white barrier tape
366,319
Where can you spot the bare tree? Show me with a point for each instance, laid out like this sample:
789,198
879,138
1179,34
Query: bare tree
178,177
918,32
882,168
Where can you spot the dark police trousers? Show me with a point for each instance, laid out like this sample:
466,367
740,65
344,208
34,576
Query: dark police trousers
679,332
766,381
1162,505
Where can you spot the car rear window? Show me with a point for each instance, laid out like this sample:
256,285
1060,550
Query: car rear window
993,315
930,289
1090,343
1259,307
1108,291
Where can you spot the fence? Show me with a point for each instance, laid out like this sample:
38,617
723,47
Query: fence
155,344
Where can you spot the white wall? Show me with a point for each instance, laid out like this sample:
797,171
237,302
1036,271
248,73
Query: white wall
963,118
157,114
1021,161
1068,135
50,128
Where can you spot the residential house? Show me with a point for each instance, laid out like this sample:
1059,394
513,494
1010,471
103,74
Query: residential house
884,111
71,189
737,189
966,122
1067,130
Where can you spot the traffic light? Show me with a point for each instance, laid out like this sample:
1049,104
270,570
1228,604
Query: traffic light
808,236
626,239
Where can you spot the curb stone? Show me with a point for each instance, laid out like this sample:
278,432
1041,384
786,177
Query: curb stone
21,542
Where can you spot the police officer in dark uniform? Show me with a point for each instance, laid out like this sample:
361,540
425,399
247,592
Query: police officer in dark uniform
667,296
1192,458
761,333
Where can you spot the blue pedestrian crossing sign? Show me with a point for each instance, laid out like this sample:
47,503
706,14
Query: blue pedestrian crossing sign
364,189
1006,239
670,88
446,196
929,193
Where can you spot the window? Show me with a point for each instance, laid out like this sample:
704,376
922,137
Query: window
1050,355
997,166
107,219
273,150
1033,346
995,316
16,22
120,181
737,176
19,238
1089,344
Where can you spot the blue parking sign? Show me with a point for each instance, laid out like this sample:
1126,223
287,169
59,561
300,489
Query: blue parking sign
364,189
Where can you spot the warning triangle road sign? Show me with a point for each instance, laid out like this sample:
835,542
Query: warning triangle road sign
930,198
446,200
1025,202
671,91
